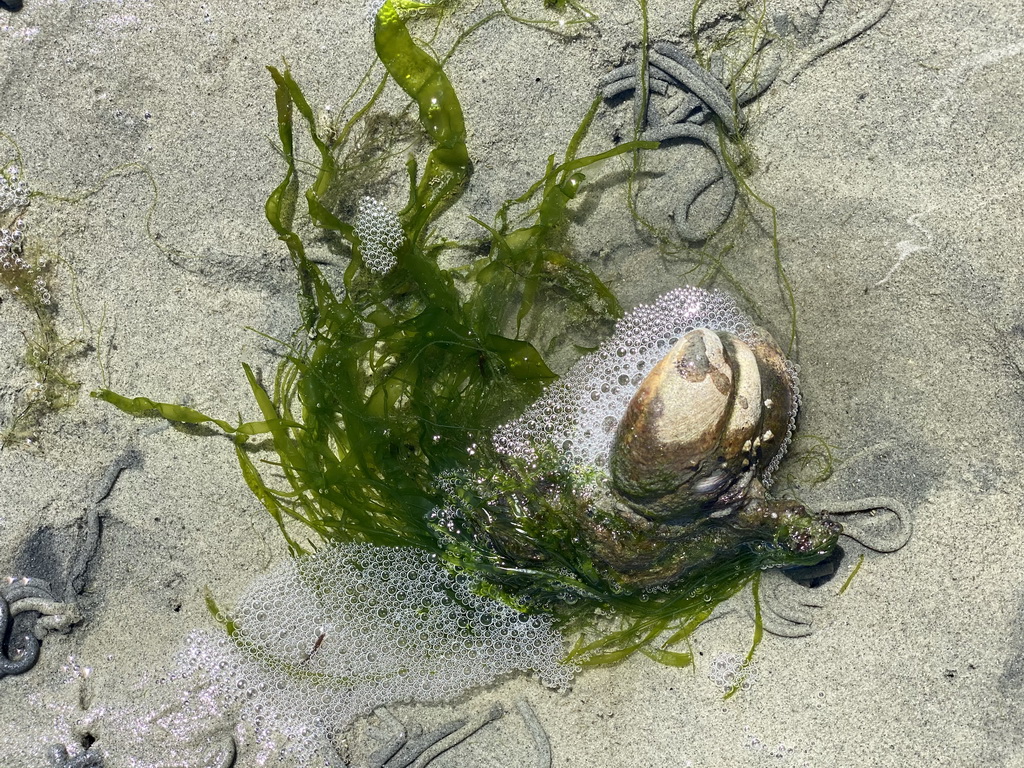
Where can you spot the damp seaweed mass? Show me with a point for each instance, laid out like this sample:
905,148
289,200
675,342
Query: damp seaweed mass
411,409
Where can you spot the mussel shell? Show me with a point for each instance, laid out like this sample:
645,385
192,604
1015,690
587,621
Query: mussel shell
707,421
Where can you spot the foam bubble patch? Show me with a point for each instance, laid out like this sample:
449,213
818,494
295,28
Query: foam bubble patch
356,626
580,413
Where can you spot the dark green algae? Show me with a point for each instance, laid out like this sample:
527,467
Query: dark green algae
397,381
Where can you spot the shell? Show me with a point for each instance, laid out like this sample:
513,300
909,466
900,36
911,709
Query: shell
703,425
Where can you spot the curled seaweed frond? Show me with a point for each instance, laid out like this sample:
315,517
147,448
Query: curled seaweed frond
810,462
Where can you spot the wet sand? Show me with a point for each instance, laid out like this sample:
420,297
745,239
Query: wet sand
894,166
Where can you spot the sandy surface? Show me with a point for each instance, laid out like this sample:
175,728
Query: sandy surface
894,164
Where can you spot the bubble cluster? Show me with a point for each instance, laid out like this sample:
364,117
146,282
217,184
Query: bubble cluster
372,8
12,246
355,626
380,235
14,196
14,192
729,671
756,743
581,412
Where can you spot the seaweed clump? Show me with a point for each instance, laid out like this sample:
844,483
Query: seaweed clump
395,381
26,272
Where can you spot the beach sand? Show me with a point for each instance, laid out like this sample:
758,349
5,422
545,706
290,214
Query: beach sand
895,167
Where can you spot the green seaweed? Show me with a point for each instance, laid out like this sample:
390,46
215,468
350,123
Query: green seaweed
440,113
28,275
514,525
32,274
379,412
48,353
386,386
755,589
854,572
218,615
810,462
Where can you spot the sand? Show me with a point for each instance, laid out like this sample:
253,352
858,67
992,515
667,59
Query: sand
894,165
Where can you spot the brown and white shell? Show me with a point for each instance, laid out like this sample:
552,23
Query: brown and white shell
703,426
